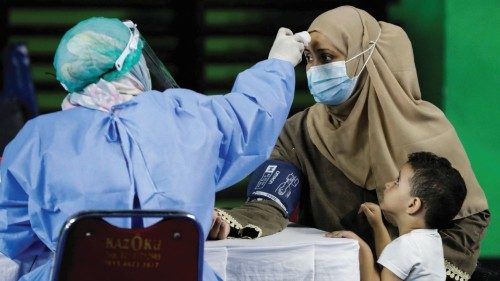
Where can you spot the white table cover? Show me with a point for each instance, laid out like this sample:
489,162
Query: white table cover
296,253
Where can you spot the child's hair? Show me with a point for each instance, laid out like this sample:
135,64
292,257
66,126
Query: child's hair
440,187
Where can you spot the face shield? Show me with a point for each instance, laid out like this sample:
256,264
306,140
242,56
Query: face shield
161,79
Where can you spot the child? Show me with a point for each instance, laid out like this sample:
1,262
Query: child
425,197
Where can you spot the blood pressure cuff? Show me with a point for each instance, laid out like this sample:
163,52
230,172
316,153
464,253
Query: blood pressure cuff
278,181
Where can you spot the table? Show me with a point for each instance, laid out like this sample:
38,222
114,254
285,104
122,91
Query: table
296,253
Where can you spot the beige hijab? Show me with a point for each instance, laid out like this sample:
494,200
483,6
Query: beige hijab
369,136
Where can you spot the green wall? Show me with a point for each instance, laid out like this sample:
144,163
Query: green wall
457,45
423,22
472,83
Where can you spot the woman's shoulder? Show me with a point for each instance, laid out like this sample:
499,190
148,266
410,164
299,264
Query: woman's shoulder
297,122
294,135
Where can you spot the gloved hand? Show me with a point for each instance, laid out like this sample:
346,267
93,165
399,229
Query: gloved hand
303,37
289,47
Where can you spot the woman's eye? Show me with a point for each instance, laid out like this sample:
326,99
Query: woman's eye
308,58
326,58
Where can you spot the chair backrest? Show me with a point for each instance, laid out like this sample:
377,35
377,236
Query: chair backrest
90,248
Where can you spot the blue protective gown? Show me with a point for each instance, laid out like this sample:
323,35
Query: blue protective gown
174,149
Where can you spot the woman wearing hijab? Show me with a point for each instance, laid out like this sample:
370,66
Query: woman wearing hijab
120,143
340,152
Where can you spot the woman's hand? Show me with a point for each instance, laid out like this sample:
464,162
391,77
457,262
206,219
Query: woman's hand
220,228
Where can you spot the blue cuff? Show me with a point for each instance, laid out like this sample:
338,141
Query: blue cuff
278,181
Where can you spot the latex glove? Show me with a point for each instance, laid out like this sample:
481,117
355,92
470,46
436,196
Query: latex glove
289,47
303,37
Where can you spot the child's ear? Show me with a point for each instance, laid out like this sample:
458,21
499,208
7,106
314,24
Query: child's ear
414,206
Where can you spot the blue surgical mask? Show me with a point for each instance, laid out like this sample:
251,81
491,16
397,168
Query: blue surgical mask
329,83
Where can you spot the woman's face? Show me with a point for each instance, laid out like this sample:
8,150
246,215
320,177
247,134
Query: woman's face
321,51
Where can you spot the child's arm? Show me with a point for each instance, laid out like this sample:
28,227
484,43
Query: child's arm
367,269
374,216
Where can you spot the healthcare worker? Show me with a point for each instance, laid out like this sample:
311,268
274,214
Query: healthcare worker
119,143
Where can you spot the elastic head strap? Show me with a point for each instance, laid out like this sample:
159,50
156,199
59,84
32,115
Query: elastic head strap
131,45
371,48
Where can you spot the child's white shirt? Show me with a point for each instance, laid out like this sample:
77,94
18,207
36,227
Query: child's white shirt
417,255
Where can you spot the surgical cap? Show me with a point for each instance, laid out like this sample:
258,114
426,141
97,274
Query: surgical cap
89,50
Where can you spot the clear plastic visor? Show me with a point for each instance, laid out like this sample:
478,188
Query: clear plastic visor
161,79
